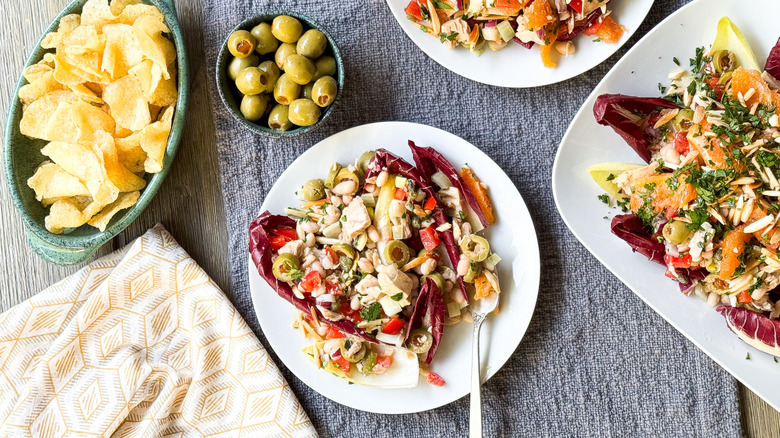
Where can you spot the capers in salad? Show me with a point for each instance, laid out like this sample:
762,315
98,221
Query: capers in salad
353,351
397,252
676,232
476,248
420,341
313,190
286,267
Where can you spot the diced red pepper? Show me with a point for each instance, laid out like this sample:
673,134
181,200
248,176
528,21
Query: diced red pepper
430,238
280,236
671,212
384,361
332,254
311,282
333,288
435,379
352,315
342,363
593,28
394,326
333,334
430,204
413,10
678,262
715,85
744,297
400,194
681,144
576,5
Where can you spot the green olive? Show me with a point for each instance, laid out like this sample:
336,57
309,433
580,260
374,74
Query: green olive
364,160
345,174
324,91
282,53
312,44
474,247
241,44
286,29
306,91
357,356
325,66
437,278
724,61
368,363
676,232
683,120
397,252
304,112
286,267
265,41
273,73
299,68
474,270
725,78
253,107
313,190
285,90
419,341
238,64
333,172
342,249
251,80
278,120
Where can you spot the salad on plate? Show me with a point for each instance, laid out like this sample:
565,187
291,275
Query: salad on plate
475,24
706,204
364,260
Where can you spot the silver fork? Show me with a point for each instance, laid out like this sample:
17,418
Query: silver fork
480,309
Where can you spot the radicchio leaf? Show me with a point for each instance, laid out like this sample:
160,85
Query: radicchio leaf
753,328
773,61
384,160
581,28
428,313
263,255
628,116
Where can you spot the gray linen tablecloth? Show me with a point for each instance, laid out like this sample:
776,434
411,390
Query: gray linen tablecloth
596,361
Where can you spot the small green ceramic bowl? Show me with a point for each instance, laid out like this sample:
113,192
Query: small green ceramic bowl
231,97
22,156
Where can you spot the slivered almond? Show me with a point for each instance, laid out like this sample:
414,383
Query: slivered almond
741,98
749,93
759,224
772,180
690,157
716,215
753,109
738,211
666,115
698,114
743,180
314,318
775,237
747,211
773,193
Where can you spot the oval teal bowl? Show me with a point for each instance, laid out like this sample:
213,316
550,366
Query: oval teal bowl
231,97
22,156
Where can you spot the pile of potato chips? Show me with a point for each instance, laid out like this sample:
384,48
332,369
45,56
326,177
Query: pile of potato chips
104,100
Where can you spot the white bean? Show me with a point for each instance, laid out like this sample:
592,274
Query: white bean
373,234
346,199
382,178
428,266
335,200
463,265
345,187
310,227
465,228
309,240
355,303
321,330
365,265
713,299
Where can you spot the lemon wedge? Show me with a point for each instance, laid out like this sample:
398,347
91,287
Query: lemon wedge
730,38
604,174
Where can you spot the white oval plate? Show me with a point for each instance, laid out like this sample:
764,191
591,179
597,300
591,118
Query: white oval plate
512,236
586,143
518,67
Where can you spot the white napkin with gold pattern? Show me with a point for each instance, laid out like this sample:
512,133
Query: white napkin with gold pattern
139,343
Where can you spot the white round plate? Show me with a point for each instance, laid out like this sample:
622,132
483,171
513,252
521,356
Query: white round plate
512,237
518,67
586,143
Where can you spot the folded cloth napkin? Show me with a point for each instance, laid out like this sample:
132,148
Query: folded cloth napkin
139,343
596,361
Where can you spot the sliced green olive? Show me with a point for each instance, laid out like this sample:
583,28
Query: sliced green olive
676,232
238,64
273,73
474,270
330,180
241,44
368,363
723,61
266,42
287,267
278,120
437,278
725,78
420,341
397,252
682,121
313,190
364,160
476,248
357,356
342,249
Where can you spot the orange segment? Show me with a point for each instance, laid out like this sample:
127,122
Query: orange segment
539,13
482,286
765,239
743,80
732,248
663,197
475,186
710,149
610,31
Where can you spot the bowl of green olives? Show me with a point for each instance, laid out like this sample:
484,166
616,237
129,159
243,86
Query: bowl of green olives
279,74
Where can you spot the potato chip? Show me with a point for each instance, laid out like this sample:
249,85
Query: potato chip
67,23
125,200
51,181
121,50
130,152
77,121
86,94
64,214
35,118
128,105
83,39
97,13
82,162
117,6
157,91
148,31
131,13
154,139
35,71
120,176
73,71
41,86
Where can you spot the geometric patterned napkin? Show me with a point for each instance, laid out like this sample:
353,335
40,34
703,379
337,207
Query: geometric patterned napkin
139,343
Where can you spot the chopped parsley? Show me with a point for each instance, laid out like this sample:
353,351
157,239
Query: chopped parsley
371,312
398,296
604,198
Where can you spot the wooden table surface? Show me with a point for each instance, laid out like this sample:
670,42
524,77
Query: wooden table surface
189,204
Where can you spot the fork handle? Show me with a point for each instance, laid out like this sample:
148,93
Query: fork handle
475,408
